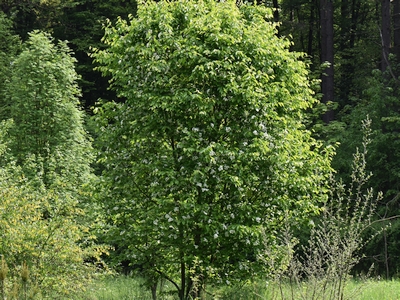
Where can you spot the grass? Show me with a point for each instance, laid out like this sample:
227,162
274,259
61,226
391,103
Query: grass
127,288
116,288
380,290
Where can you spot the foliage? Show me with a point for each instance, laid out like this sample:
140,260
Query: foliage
50,246
9,47
39,231
82,25
333,248
34,14
48,129
208,151
45,175
379,101
357,52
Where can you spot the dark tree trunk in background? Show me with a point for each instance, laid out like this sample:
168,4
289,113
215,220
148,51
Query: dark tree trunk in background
396,29
311,24
327,84
276,10
349,23
385,34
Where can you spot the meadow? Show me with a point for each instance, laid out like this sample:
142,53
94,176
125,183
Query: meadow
129,288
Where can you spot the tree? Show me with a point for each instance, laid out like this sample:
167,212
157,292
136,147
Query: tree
79,22
9,48
42,94
396,29
375,94
327,55
45,171
81,25
385,34
350,21
29,15
301,20
208,151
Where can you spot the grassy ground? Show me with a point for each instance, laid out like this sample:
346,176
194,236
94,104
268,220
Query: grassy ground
124,288
381,290
118,288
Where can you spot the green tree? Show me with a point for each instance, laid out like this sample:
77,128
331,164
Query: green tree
48,128
208,152
327,55
45,171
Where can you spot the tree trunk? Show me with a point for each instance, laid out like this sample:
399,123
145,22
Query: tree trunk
385,34
327,84
349,23
182,291
386,253
311,24
276,13
276,10
154,291
396,29
182,294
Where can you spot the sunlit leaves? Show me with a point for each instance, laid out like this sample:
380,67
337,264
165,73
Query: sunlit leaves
39,227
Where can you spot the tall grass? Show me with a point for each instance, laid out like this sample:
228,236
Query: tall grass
124,288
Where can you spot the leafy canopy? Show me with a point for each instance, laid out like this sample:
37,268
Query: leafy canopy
42,94
45,157
207,152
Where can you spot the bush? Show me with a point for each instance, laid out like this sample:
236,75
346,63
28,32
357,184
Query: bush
42,235
322,267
